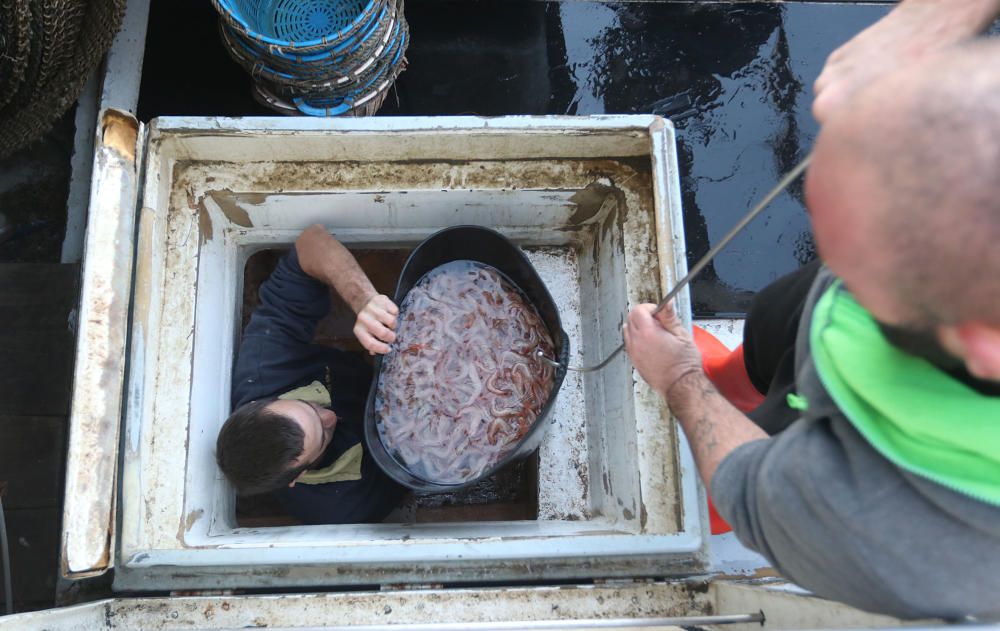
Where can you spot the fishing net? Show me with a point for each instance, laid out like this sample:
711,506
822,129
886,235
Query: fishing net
48,48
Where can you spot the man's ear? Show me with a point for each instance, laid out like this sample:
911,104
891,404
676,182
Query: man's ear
977,344
297,478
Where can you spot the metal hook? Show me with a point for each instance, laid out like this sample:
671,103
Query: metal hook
790,177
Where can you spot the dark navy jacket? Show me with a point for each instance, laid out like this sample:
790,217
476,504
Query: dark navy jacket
277,355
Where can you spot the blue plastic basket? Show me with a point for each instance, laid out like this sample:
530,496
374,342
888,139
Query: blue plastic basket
367,96
359,45
320,57
330,71
298,25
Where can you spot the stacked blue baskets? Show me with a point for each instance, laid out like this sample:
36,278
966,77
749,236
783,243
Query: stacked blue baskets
317,57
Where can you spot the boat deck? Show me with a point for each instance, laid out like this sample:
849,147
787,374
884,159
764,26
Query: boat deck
734,77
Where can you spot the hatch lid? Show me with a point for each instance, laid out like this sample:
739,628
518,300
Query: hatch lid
102,336
177,205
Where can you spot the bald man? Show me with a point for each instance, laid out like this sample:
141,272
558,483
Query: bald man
871,473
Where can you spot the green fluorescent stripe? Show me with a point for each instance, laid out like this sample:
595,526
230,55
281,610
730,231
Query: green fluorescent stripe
958,458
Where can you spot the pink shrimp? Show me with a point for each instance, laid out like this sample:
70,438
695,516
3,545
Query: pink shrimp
465,385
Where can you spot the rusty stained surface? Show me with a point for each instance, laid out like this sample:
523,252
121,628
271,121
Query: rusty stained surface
249,183
466,570
119,134
167,263
656,431
189,521
633,230
235,213
639,600
145,301
99,374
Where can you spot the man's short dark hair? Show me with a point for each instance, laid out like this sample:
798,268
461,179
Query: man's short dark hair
257,447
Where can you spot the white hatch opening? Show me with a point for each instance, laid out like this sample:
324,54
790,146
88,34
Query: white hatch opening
594,203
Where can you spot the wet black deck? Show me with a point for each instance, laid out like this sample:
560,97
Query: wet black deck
736,79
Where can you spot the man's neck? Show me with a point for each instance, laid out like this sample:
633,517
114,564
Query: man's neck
925,346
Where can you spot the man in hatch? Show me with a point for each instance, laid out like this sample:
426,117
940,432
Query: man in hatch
871,471
297,426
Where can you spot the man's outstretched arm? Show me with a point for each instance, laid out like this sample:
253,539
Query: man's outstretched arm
664,353
324,258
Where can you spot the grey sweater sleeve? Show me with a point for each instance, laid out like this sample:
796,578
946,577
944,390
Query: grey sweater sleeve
834,516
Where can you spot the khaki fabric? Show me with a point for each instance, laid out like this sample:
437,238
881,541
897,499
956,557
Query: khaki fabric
347,467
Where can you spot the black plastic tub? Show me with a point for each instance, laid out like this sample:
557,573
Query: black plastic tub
472,243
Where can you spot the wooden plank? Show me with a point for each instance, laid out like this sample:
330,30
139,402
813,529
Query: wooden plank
36,341
32,452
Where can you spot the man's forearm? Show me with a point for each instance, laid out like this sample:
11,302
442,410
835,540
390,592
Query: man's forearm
712,425
326,259
345,275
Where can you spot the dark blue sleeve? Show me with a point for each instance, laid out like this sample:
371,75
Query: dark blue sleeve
276,353
368,500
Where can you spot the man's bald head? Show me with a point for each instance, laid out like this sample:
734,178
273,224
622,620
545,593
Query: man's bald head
905,191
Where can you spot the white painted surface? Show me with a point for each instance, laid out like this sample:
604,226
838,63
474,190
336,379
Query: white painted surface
99,373
727,555
730,557
488,609
123,64
81,170
729,331
647,605
788,607
115,84
563,458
